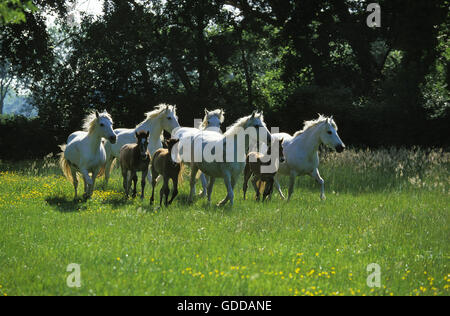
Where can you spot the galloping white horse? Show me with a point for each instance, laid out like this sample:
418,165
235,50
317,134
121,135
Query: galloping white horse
163,117
85,153
301,152
211,122
228,166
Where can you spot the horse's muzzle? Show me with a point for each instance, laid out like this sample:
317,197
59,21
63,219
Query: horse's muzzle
113,139
340,148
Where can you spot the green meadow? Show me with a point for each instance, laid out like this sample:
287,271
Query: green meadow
388,207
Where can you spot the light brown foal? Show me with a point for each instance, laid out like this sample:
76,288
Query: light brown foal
254,162
135,158
162,164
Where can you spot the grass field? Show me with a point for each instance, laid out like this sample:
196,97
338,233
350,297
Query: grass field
386,207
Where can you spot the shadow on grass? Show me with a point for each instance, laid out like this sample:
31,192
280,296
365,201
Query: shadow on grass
65,206
118,201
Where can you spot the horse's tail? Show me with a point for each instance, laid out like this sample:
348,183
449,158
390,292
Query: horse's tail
113,164
65,165
261,185
180,175
102,170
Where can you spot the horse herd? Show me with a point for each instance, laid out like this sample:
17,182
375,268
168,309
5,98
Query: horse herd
92,152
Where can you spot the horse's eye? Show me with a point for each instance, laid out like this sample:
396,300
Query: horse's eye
329,132
169,118
102,125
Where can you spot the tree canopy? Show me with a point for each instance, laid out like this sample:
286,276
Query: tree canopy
385,86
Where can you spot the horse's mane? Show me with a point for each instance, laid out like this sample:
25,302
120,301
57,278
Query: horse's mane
90,121
219,113
241,122
159,109
313,123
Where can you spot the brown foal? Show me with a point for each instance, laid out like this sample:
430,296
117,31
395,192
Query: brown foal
163,164
135,158
254,162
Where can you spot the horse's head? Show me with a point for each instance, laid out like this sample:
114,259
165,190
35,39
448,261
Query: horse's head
329,136
213,119
169,119
256,120
104,125
142,142
171,143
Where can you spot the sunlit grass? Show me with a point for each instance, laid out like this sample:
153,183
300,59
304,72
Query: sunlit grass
386,207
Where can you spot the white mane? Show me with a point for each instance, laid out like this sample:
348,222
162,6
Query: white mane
159,109
91,120
241,123
314,123
219,113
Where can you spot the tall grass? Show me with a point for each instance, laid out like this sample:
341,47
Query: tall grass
389,207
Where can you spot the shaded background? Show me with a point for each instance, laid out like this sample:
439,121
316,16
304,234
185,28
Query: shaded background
385,86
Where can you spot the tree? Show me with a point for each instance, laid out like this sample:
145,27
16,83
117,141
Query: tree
13,11
6,79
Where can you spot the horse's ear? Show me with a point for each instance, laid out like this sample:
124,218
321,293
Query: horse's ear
206,112
254,114
97,115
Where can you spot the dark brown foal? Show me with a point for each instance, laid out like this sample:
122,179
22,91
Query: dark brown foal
163,164
253,165
135,158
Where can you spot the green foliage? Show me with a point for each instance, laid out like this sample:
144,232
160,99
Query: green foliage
291,59
13,11
22,138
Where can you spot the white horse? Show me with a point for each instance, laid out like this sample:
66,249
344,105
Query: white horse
163,117
301,152
211,122
85,153
228,166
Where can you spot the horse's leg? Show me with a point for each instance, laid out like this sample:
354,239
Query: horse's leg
268,189
318,178
230,194
135,180
94,177
194,170
292,178
233,185
144,175
247,176
75,182
125,180
87,183
129,181
256,187
277,185
164,192
154,176
204,185
212,180
175,189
